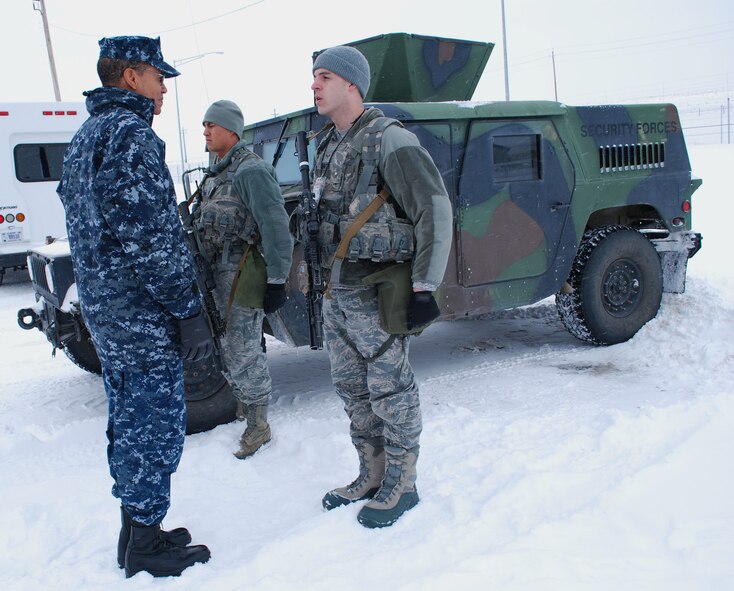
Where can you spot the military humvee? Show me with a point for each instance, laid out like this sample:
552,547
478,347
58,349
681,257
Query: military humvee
592,204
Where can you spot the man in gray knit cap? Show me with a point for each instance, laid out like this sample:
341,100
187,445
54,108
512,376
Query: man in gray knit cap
243,226
363,153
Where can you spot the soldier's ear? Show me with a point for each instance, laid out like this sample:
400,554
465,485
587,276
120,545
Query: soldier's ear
130,79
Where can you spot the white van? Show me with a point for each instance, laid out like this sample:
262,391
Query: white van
33,139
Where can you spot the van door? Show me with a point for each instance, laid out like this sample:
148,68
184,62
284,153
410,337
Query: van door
514,195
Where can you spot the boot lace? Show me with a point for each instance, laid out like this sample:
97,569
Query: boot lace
393,473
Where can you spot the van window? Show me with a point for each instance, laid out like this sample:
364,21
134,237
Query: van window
39,162
515,158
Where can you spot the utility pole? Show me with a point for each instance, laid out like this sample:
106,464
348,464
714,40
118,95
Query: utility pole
555,85
40,6
504,48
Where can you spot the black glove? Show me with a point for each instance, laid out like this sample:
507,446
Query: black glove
422,309
274,297
196,337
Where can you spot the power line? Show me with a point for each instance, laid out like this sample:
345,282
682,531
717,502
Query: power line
193,24
213,18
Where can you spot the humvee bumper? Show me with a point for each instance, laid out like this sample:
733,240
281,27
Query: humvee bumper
674,252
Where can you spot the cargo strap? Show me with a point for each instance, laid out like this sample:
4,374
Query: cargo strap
381,351
351,232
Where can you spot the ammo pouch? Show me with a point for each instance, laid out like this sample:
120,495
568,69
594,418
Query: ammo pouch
385,241
394,288
223,224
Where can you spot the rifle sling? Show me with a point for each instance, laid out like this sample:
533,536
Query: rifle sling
354,227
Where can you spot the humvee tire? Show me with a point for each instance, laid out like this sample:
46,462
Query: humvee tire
82,353
616,286
209,398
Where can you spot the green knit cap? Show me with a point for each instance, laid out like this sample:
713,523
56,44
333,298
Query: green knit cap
227,114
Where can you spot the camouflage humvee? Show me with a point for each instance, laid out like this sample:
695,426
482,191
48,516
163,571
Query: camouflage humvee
592,204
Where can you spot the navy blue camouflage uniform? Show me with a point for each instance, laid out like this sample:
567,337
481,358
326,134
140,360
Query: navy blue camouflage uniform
134,278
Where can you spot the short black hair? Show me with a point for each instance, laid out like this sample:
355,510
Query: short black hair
110,70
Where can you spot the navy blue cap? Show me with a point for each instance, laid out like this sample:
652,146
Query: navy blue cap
137,49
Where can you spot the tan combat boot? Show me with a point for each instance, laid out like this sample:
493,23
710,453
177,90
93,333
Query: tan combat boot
371,452
241,412
257,432
397,493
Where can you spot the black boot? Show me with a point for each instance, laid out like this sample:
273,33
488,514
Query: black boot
178,537
149,551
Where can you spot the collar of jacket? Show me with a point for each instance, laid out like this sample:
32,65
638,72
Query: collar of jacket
105,97
367,115
220,165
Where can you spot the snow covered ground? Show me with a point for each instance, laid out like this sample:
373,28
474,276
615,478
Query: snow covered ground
545,463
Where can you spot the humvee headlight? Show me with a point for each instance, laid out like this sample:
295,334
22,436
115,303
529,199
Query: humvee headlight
50,277
677,222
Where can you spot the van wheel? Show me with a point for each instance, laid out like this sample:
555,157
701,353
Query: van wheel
616,286
209,398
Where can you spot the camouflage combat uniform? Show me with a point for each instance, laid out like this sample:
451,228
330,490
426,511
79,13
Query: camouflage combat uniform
242,208
380,395
134,279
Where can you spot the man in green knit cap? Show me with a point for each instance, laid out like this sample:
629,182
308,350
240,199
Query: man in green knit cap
243,226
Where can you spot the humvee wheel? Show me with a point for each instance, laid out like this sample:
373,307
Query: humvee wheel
83,353
617,285
209,398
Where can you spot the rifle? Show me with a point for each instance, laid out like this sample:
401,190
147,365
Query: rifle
308,223
204,274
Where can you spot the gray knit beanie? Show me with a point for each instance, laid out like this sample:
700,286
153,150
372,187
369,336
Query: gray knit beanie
347,62
227,114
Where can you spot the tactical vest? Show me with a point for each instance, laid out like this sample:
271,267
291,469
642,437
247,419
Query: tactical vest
223,223
346,182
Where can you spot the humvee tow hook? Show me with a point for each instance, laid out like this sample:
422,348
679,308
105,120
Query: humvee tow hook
34,322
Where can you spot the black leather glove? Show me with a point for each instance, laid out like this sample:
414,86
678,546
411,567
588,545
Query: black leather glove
196,337
422,309
274,297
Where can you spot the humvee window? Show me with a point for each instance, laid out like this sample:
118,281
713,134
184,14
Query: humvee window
516,158
287,165
39,162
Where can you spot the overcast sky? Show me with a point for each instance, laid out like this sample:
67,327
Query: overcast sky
628,50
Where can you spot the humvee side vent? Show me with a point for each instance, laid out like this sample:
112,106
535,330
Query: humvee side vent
616,158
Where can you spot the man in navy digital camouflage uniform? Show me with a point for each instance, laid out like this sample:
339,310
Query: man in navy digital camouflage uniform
137,293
